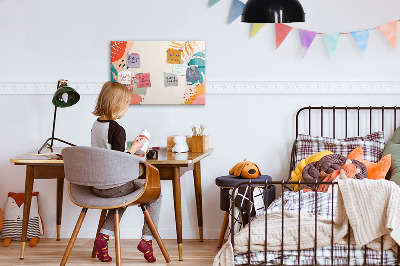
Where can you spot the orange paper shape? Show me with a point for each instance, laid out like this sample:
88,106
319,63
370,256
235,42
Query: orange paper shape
375,170
281,31
174,56
389,30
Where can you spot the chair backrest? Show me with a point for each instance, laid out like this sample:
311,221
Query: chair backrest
92,166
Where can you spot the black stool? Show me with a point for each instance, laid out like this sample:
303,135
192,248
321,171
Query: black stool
226,183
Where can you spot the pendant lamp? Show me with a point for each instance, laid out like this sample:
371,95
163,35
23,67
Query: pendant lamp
64,96
272,11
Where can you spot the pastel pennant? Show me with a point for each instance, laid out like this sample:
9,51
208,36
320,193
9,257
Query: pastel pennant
281,31
237,9
306,39
213,2
332,41
389,30
361,37
255,28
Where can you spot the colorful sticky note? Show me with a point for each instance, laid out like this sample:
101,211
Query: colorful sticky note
144,80
174,56
192,74
125,77
133,60
170,80
179,69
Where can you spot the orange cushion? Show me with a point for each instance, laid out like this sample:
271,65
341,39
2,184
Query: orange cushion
375,170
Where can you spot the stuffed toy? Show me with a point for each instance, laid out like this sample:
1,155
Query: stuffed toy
245,169
296,174
13,215
375,170
180,144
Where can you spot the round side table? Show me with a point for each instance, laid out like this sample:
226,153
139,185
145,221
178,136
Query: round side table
228,182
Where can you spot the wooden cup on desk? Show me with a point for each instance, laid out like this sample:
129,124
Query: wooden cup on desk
200,143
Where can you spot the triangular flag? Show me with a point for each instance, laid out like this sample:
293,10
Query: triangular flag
390,32
361,37
332,41
306,39
255,28
281,31
237,9
213,2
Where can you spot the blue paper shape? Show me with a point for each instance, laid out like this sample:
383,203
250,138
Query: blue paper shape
237,9
133,60
361,38
192,74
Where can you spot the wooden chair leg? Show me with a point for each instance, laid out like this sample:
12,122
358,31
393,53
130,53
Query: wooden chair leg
73,237
223,229
101,222
154,230
117,238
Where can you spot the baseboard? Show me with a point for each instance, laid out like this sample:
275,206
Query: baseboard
231,87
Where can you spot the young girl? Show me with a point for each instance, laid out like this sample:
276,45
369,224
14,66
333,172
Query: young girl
112,103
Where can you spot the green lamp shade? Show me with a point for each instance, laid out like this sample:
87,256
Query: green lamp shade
65,96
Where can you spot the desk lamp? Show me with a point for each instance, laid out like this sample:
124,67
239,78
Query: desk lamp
272,11
64,96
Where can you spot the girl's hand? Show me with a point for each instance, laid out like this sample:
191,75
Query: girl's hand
137,144
143,155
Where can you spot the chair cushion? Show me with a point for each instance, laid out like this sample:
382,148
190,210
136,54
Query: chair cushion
83,196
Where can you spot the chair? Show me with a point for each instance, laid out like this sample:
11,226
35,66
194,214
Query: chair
85,167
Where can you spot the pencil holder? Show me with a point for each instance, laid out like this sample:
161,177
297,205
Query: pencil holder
200,143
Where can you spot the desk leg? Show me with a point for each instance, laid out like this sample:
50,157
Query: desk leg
176,182
27,206
60,190
197,189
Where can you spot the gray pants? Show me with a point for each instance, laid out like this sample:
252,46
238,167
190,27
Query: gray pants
154,208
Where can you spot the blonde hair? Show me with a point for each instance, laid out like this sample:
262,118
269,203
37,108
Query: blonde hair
112,99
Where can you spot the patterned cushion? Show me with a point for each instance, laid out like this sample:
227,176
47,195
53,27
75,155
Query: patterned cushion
372,144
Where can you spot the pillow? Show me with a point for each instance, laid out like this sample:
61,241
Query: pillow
375,170
393,148
372,144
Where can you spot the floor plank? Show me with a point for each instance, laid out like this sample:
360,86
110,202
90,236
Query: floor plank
49,252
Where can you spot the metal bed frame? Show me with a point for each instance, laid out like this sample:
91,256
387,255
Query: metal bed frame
283,184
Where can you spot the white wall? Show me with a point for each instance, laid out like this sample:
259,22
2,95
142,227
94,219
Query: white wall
43,41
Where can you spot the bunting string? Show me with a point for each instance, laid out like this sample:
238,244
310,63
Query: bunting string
361,37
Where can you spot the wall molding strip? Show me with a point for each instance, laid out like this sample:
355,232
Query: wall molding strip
231,87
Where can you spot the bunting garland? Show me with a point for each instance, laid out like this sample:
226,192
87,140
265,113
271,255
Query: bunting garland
361,37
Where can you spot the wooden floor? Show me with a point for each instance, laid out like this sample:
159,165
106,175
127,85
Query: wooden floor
50,252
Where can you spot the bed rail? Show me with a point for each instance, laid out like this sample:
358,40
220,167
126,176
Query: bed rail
265,185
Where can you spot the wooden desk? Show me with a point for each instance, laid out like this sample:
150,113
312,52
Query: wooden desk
171,167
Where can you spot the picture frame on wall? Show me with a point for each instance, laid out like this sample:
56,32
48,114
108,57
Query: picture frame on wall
161,72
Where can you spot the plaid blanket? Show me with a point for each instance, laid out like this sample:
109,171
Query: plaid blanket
323,205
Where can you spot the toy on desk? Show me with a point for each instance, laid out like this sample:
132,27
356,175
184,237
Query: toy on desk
144,134
245,169
180,144
13,215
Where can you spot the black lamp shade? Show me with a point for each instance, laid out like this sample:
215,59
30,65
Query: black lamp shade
273,11
65,96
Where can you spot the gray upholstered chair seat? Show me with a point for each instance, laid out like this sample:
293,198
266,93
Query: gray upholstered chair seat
83,196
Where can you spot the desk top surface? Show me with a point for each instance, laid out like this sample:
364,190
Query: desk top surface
164,157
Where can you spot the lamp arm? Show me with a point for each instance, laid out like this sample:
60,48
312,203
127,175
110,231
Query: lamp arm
54,126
